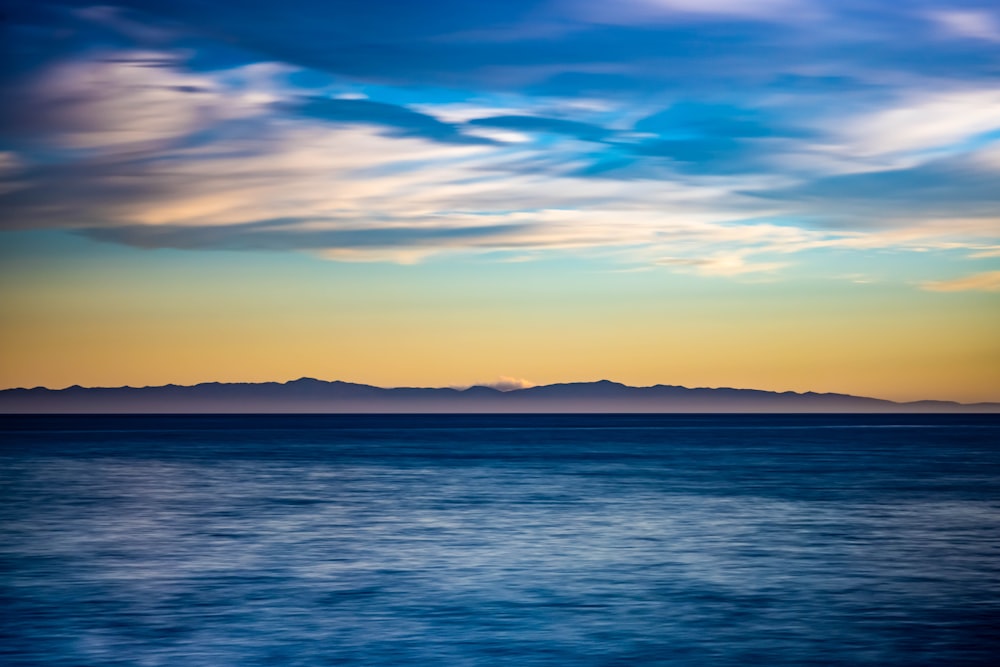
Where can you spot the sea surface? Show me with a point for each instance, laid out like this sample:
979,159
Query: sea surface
570,540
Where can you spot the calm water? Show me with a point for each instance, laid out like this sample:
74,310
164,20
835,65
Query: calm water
510,540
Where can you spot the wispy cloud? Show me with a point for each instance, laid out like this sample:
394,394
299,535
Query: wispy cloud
644,11
112,102
968,23
709,137
399,120
924,120
724,264
988,281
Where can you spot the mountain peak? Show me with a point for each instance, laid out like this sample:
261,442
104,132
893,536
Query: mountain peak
306,381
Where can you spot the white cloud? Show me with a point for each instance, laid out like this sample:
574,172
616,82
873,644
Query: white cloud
919,122
506,383
969,24
496,134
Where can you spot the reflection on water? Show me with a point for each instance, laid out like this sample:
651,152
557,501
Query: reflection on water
508,540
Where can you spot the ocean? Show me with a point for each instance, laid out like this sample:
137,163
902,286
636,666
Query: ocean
514,540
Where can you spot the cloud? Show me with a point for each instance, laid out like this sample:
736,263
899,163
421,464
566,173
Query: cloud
506,383
397,119
921,121
711,137
968,24
576,129
985,252
640,11
300,234
119,21
981,282
111,102
351,192
723,264
953,187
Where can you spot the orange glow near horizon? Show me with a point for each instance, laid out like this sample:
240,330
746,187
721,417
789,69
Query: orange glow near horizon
420,329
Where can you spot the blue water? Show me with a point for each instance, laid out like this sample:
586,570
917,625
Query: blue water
500,540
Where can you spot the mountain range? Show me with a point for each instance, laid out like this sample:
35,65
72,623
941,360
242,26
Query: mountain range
308,395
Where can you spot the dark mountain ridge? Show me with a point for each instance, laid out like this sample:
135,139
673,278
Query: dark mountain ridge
309,395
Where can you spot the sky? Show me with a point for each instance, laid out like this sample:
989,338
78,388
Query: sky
776,194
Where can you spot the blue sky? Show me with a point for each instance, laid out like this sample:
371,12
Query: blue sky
772,141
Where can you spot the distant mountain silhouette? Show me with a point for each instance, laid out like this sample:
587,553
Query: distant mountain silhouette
308,395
